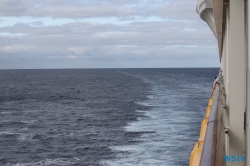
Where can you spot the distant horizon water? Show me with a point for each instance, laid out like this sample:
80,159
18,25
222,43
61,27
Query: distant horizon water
110,68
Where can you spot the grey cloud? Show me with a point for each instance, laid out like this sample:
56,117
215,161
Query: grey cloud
137,33
102,41
64,9
181,35
123,9
82,11
14,7
177,9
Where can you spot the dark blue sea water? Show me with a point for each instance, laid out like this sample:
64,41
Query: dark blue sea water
90,117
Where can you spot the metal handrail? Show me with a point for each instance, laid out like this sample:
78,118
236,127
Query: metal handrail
214,144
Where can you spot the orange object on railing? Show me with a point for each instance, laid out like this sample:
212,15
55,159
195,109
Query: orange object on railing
195,156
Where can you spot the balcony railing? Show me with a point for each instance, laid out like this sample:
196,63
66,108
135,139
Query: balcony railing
214,144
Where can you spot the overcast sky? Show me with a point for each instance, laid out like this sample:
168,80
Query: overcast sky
104,34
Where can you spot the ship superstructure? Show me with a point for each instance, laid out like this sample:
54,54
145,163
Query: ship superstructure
227,127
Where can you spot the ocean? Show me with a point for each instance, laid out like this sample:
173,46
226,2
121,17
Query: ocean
102,117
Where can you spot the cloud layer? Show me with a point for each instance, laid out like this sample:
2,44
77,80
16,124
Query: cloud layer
143,32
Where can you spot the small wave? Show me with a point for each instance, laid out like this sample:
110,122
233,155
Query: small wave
140,111
47,162
150,97
26,137
18,136
147,104
11,122
7,133
28,121
24,129
5,112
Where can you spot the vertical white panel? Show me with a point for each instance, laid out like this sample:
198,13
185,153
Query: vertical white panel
248,88
237,79
226,76
226,52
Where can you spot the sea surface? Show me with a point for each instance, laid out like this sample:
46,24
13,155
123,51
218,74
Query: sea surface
102,117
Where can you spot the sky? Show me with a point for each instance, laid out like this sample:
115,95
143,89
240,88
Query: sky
40,34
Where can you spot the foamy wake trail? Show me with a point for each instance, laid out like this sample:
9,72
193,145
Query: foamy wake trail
165,134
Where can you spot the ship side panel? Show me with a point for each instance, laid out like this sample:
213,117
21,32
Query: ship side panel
237,79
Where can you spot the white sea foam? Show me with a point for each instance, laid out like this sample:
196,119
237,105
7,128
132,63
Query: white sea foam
156,146
146,104
150,96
